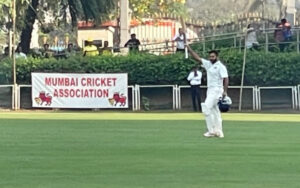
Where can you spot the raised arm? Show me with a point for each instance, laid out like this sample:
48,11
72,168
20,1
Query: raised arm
194,54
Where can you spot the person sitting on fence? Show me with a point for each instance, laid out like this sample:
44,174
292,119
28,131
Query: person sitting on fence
133,43
90,49
251,39
279,37
179,38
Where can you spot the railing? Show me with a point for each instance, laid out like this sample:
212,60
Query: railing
294,98
298,88
12,96
231,93
162,100
172,95
237,41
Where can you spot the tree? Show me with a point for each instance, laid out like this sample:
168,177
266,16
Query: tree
89,10
96,10
146,8
31,15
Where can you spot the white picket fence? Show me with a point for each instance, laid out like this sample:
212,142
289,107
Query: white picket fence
173,96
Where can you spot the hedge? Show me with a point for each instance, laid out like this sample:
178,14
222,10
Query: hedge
262,69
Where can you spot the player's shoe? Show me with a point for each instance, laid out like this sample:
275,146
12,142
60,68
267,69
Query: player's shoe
208,135
219,134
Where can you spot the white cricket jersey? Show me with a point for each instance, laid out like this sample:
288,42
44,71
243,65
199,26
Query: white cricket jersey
195,80
180,44
215,73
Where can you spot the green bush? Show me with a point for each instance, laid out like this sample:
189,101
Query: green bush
262,69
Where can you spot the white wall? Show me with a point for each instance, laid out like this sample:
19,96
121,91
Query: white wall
105,34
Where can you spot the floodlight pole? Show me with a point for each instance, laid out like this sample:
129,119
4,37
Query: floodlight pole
15,105
124,21
243,75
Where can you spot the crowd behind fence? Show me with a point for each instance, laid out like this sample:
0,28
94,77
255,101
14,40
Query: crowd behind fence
174,97
232,40
235,40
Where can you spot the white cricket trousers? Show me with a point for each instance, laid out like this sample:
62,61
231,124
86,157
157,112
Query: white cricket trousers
211,110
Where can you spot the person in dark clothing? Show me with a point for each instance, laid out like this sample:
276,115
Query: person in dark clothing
133,43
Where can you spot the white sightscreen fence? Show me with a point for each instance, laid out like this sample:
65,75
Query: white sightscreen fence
179,97
277,98
6,97
298,90
248,99
25,99
249,103
157,97
185,97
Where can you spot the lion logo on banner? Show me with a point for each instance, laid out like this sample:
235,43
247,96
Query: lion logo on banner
43,97
118,98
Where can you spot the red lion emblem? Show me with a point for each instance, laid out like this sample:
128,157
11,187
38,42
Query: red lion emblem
43,97
117,98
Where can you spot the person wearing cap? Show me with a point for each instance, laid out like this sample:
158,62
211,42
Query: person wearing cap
90,49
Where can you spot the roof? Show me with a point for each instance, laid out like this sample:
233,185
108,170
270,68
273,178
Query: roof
133,23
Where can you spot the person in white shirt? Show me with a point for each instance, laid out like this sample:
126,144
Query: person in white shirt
180,39
217,85
195,81
20,54
251,39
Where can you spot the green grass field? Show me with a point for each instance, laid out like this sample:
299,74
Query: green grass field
143,150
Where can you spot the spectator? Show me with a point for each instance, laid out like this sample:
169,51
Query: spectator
251,39
47,53
36,53
279,37
106,50
180,39
195,81
6,53
286,29
90,49
19,53
70,50
133,43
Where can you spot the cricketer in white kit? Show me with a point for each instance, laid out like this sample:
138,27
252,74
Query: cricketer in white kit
217,85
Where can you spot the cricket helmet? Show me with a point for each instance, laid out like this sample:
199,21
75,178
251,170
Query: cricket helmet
224,104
